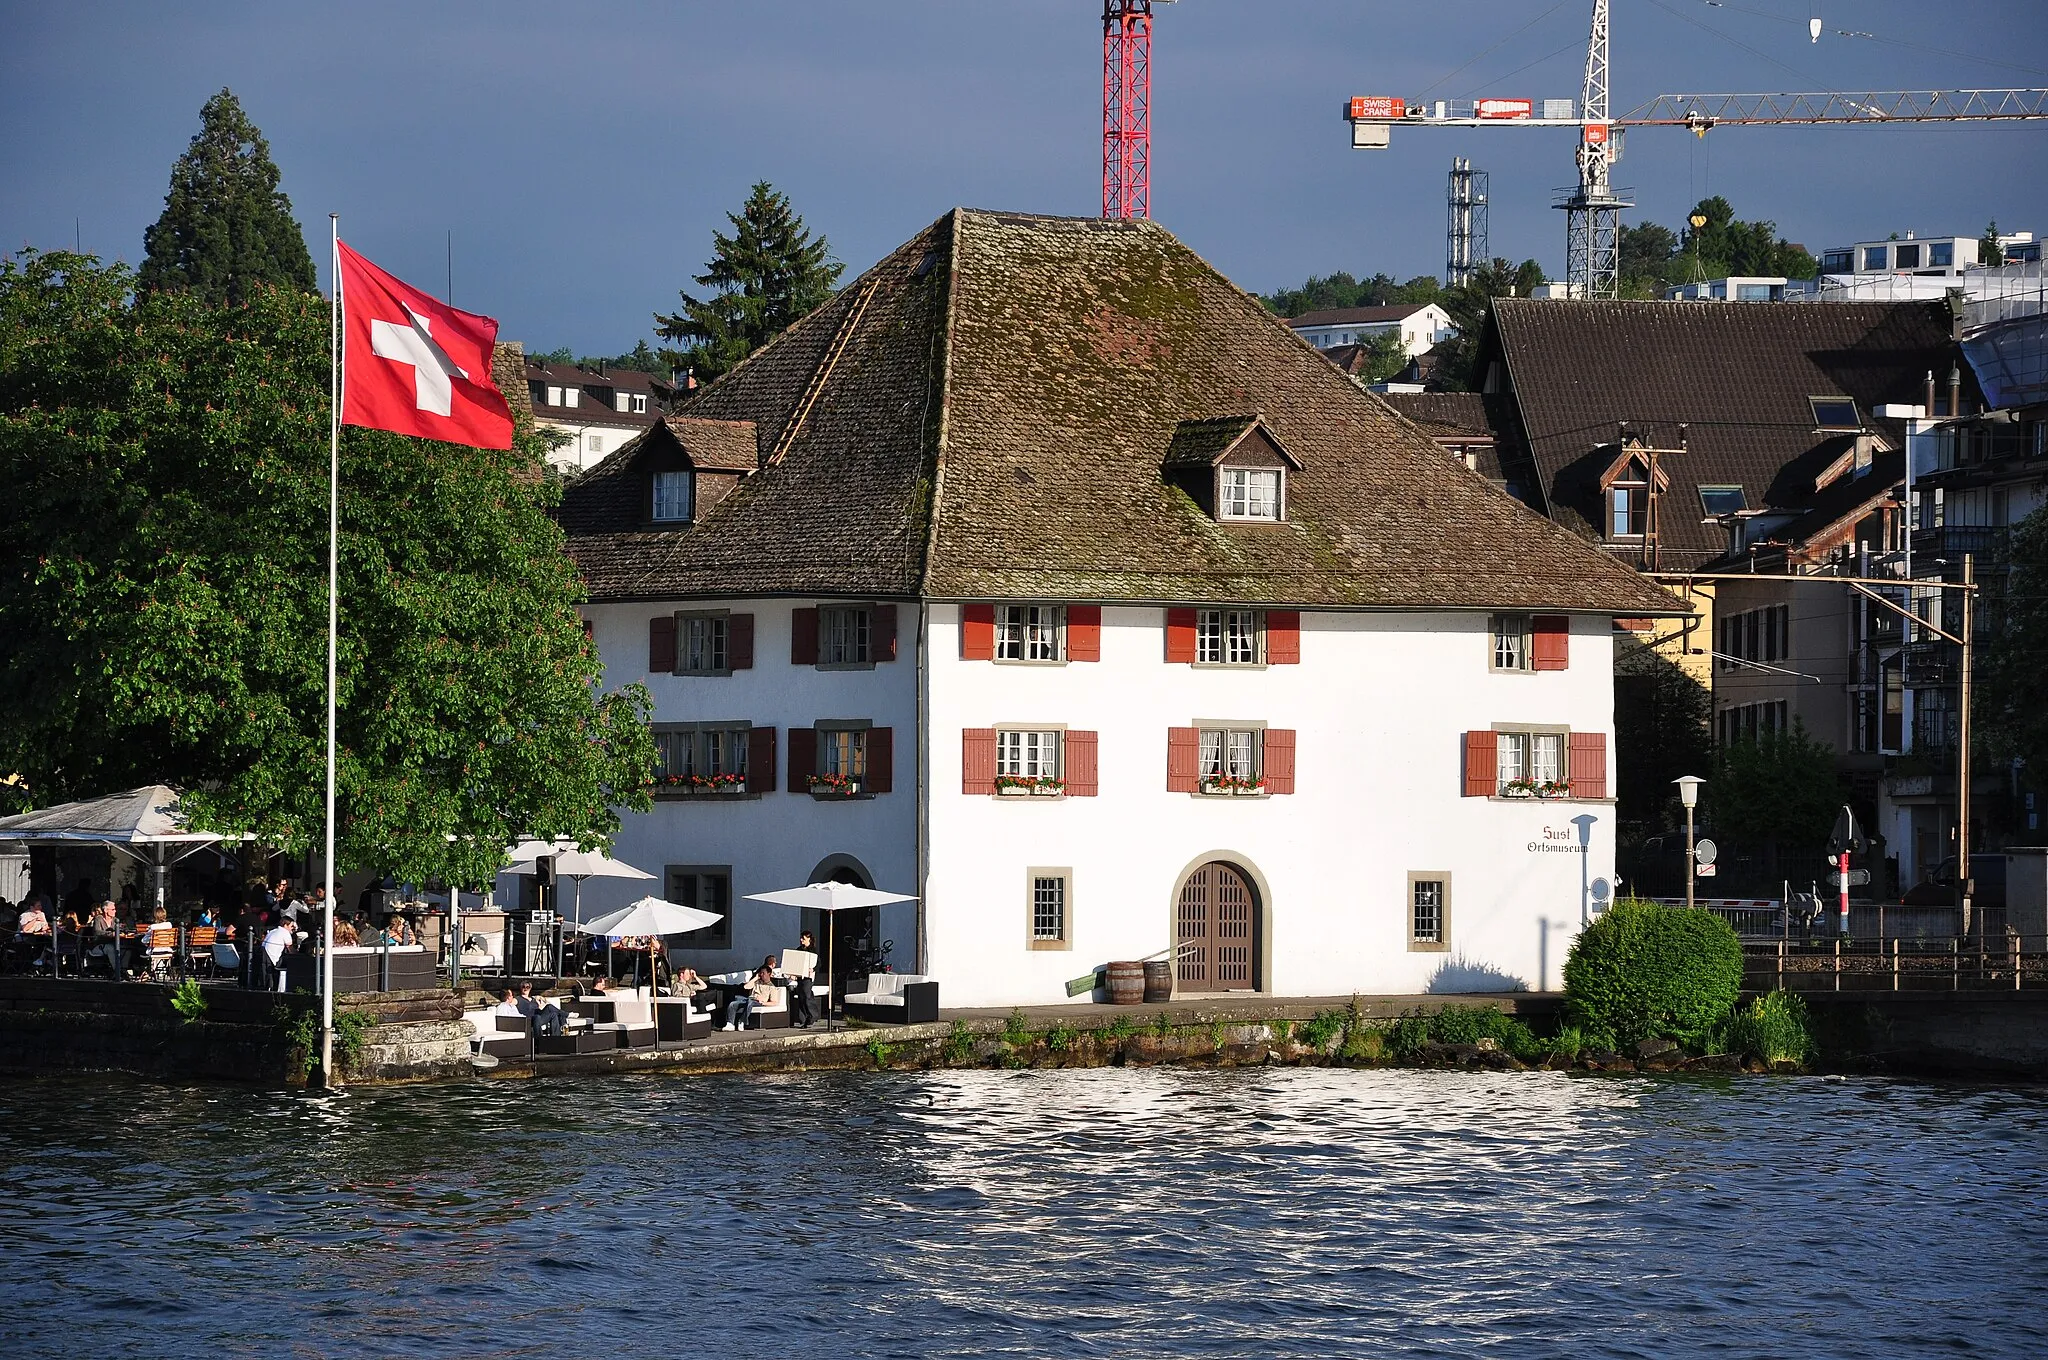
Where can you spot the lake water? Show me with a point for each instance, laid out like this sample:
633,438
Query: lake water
1160,1212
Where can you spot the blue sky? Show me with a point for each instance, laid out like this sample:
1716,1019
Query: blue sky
582,155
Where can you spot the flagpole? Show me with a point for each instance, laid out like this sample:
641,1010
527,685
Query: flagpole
334,360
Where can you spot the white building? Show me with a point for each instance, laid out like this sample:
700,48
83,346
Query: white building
1420,325
1739,288
1931,257
1074,598
597,412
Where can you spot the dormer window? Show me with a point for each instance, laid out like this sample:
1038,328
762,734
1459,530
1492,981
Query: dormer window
554,396
1835,413
639,403
1249,493
671,497
622,402
572,396
1628,498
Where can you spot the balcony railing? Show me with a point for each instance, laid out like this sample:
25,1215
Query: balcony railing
1987,542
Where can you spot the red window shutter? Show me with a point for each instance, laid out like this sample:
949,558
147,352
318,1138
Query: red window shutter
1283,637
739,642
1180,637
761,760
977,632
978,760
1588,768
1081,778
1084,635
1279,760
1550,642
803,638
881,759
1482,765
1183,760
803,757
661,645
882,633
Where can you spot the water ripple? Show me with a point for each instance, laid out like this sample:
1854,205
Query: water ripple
1075,1213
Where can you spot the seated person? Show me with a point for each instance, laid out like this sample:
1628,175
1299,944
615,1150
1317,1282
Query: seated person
547,1019
104,928
602,987
33,921
345,935
689,986
508,1004
278,941
399,930
760,992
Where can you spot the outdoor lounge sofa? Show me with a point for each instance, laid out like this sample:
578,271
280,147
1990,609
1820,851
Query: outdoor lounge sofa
367,968
895,999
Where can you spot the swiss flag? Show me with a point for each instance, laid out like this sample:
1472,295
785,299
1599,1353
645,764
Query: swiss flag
415,366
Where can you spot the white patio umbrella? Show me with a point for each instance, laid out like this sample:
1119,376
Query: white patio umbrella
573,864
649,916
830,897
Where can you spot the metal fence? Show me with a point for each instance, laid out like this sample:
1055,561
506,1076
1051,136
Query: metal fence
1999,963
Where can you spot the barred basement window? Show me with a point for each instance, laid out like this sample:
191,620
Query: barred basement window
1050,925
1429,911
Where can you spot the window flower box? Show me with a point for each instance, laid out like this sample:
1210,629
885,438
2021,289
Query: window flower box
726,783
1234,786
1015,785
833,786
1553,789
1048,787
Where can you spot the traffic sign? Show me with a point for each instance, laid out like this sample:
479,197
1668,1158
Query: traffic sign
1704,871
1706,852
1858,878
1847,837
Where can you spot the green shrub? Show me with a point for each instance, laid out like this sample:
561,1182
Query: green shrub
1059,1039
1470,1024
1363,1043
189,1000
1568,1043
959,1044
1017,1029
1321,1029
1407,1037
1773,1028
302,1033
1162,1025
878,1051
1120,1029
1644,971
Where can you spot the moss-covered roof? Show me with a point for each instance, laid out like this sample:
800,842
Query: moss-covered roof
995,425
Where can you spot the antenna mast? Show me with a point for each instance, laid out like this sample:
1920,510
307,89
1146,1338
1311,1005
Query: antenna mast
1465,245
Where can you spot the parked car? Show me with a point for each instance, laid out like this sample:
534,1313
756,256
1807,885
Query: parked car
1939,889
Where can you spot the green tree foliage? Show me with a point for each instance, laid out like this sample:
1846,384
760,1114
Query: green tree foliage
1654,258
163,591
1660,733
1386,355
227,229
641,359
2012,704
1776,792
768,274
1469,305
1644,971
1989,252
1340,290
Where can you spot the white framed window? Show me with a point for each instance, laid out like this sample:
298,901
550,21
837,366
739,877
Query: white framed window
1030,632
1050,906
843,636
1628,498
1429,911
596,442
554,396
701,644
1229,754
671,497
1227,637
1028,753
1528,758
1512,642
639,403
1249,493
621,402
572,396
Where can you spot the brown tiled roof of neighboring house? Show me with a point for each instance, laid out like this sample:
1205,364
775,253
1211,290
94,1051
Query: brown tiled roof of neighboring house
1738,376
1459,412
992,423
1359,316
595,407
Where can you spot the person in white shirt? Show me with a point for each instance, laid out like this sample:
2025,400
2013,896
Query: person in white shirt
509,1005
277,942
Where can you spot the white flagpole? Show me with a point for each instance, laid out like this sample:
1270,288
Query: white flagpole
334,358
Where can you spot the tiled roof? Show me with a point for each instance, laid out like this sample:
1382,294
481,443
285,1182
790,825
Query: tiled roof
1199,443
727,444
994,423
1739,376
1358,316
1463,412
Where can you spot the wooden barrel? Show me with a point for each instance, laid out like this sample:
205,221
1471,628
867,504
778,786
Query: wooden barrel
1126,984
1159,980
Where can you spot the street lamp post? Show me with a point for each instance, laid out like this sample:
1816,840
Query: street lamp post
1689,794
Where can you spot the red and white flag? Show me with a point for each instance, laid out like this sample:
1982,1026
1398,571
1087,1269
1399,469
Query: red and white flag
416,366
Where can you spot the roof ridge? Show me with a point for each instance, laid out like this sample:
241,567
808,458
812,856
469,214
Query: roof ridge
944,338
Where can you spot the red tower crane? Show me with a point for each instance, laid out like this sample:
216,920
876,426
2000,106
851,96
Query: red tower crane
1127,107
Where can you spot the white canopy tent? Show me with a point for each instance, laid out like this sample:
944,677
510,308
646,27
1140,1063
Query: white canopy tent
149,825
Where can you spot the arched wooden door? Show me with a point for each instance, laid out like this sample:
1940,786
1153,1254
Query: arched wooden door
1215,924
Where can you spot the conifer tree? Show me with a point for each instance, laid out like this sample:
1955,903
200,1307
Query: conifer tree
226,228
768,274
